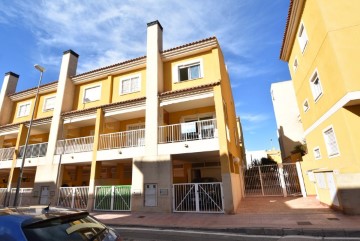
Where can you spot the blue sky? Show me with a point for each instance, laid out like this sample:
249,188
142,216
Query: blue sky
105,32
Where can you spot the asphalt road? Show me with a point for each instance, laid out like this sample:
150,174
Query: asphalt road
153,234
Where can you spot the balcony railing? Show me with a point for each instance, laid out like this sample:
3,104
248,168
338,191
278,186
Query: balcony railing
34,150
7,153
81,144
122,139
196,130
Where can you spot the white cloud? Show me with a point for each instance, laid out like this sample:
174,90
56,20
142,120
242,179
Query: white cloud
110,31
254,118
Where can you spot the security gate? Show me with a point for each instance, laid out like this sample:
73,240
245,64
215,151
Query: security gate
113,198
198,197
272,180
73,197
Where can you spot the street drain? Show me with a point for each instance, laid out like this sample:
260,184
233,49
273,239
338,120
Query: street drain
141,216
333,219
304,223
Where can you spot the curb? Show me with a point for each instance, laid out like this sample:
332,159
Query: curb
334,233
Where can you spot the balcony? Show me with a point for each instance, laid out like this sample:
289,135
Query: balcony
133,138
34,150
7,153
75,145
188,131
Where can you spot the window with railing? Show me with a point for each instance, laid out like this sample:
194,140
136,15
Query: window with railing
192,130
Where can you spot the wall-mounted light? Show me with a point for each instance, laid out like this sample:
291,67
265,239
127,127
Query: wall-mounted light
186,145
120,152
72,157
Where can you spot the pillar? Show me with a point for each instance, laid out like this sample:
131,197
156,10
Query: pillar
8,87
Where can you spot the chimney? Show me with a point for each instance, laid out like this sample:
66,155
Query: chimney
154,85
8,87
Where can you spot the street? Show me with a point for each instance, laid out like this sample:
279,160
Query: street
154,234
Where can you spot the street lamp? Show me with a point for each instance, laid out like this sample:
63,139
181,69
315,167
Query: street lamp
42,70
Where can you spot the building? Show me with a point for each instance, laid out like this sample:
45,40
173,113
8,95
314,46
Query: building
321,45
289,127
129,136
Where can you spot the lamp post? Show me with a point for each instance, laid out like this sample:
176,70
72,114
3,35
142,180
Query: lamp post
42,70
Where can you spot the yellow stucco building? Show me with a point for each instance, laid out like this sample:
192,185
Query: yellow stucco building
155,133
321,45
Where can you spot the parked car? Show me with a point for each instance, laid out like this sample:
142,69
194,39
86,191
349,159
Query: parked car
38,224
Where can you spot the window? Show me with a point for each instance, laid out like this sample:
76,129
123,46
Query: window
49,103
296,64
130,84
302,38
331,143
24,109
188,70
315,84
306,106
317,153
92,94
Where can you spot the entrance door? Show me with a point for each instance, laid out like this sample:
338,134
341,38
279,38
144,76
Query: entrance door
44,195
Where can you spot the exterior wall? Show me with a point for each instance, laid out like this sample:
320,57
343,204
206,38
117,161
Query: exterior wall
15,118
40,112
117,97
210,73
289,127
333,34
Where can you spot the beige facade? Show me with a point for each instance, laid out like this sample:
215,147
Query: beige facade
321,46
144,125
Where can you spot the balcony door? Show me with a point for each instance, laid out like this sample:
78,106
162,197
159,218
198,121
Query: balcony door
134,137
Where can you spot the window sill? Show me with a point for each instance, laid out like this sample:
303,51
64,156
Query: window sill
182,81
121,94
90,101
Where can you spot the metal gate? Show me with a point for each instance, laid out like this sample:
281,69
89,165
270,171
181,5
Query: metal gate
2,196
272,180
198,197
73,197
113,198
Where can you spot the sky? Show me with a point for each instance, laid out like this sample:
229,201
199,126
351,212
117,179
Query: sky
105,32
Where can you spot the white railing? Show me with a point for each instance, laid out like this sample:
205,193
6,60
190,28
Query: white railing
2,196
7,153
81,144
34,150
25,196
122,139
196,130
73,197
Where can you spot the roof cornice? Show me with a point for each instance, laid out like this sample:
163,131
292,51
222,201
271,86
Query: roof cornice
32,92
190,49
110,70
293,19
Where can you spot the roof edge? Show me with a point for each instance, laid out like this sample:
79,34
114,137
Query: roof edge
296,8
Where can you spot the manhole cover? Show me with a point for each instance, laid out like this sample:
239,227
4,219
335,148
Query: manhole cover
304,223
141,216
334,219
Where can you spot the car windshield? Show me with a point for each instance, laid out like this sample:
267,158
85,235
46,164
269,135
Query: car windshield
70,227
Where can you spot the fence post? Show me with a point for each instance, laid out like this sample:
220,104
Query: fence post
261,181
301,179
112,198
72,197
282,179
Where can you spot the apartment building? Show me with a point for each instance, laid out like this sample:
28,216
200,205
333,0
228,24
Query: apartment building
321,45
155,133
288,121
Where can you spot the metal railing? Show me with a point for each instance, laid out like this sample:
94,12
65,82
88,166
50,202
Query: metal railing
7,153
25,197
196,130
73,197
34,150
122,139
80,144
2,196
